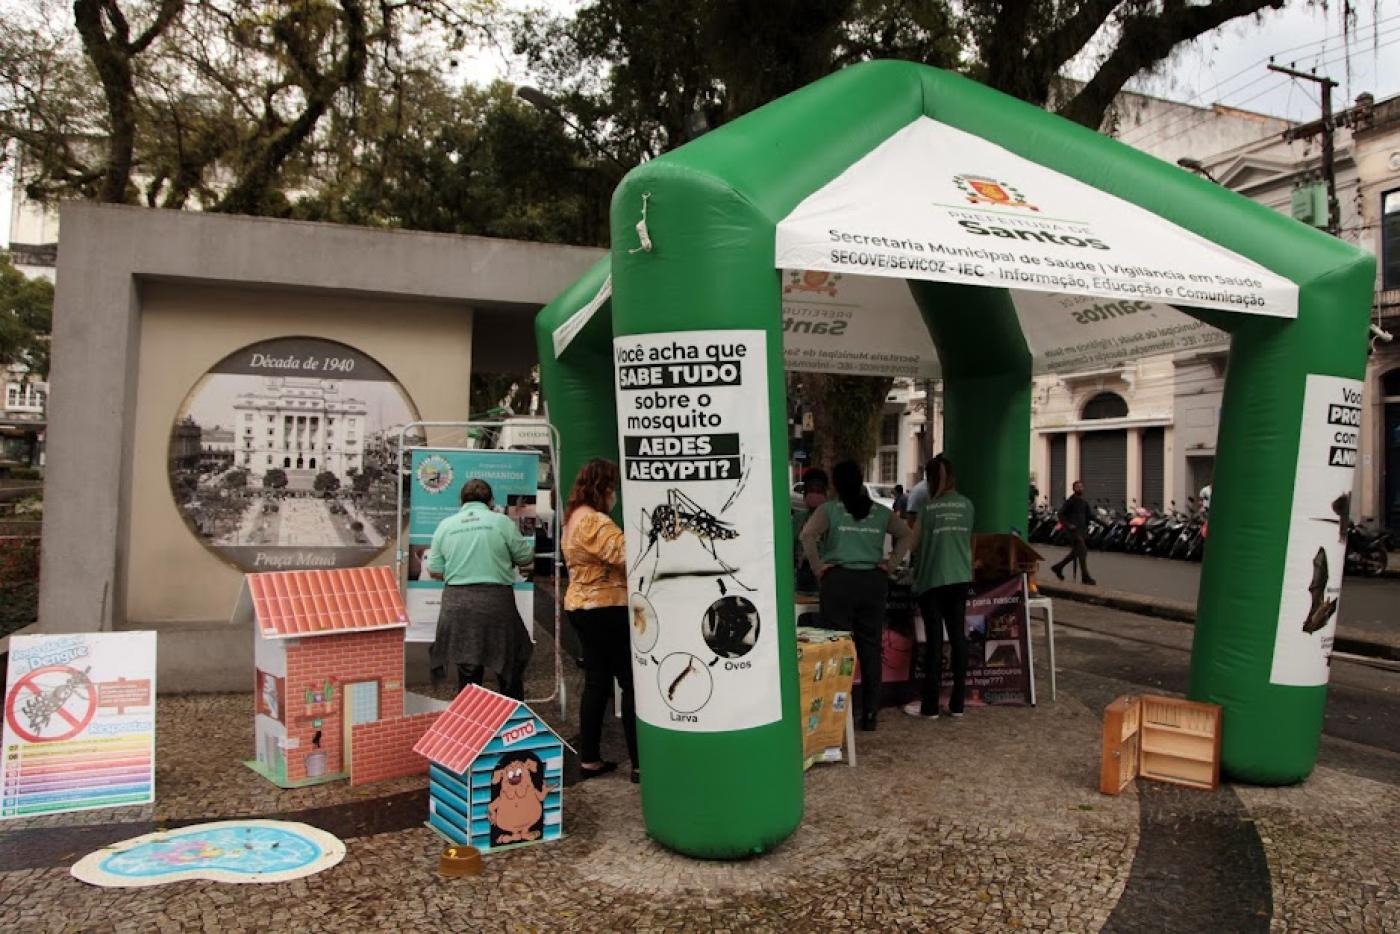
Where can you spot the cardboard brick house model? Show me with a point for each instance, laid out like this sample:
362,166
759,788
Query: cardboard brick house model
329,666
496,778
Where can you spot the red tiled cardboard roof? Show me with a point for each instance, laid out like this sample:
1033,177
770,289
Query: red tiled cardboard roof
288,604
463,729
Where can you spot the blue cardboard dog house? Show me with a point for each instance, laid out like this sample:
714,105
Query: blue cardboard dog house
495,774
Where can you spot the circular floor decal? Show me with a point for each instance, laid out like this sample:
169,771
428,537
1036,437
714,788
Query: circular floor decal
282,456
223,851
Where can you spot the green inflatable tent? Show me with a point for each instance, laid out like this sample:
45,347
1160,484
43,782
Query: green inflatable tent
985,217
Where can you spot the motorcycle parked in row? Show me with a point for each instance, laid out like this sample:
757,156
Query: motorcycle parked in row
1134,529
1367,550
1181,535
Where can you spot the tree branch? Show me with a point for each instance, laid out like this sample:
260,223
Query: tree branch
1147,40
1049,54
250,191
169,10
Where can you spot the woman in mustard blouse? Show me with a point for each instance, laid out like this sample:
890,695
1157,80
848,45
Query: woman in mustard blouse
596,602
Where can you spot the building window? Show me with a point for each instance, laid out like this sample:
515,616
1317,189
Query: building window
24,395
889,466
889,430
1105,405
1390,240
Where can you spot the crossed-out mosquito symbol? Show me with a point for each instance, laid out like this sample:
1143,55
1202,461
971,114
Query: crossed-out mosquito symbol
680,515
38,705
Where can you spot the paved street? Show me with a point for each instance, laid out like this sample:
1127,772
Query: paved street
306,522
992,823
1369,605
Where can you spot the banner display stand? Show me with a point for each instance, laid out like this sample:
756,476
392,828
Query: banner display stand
443,472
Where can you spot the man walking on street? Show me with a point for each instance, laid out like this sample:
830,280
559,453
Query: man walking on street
1074,515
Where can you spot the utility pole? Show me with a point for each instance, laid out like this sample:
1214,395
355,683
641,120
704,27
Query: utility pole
1326,127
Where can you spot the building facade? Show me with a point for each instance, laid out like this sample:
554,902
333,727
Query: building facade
299,424
1287,176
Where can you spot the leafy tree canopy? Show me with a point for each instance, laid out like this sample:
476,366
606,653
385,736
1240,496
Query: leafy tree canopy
26,312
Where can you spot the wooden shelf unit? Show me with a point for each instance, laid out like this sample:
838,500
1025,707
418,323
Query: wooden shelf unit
1165,739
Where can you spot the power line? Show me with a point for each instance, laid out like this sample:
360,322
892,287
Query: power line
1341,35
1249,69
1194,119
1137,137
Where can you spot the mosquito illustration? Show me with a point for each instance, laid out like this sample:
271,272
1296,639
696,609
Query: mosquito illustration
681,514
41,707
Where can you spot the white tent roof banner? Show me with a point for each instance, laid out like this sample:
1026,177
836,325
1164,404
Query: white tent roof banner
1093,278
934,202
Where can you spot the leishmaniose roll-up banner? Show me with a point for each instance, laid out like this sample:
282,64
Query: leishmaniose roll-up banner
435,493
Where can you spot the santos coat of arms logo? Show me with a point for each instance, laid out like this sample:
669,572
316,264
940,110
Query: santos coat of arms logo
979,189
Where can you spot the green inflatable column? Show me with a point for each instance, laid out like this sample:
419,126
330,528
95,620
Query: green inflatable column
701,410
986,396
1272,577
577,384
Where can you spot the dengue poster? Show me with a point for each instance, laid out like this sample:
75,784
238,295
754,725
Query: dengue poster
80,723
435,493
1000,667
696,486
1317,531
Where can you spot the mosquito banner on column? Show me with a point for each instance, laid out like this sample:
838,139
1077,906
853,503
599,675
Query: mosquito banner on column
698,499
435,493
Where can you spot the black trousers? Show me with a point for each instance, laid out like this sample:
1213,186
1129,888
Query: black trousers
607,657
854,601
942,606
512,683
1078,553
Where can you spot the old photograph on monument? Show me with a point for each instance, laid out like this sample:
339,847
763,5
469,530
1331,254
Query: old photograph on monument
282,455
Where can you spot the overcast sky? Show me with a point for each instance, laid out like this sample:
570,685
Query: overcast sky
1227,66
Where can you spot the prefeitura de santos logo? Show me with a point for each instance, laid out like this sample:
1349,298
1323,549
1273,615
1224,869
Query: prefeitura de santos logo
980,189
811,281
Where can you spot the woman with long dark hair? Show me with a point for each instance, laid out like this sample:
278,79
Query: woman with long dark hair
942,573
596,602
845,541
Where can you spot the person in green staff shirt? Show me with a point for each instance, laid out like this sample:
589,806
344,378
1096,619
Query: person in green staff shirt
475,552
942,573
845,541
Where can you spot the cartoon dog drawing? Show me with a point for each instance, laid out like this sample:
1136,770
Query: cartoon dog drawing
518,804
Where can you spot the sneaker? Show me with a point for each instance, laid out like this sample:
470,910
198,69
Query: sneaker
1089,582
867,722
916,709
955,714
1058,573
